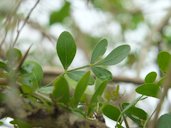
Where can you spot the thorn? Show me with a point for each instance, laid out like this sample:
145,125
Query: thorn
23,58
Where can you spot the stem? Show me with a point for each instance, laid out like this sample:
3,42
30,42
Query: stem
43,96
69,71
126,122
78,68
146,122
124,118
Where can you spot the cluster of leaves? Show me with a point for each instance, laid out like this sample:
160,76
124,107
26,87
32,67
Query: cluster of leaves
66,50
27,77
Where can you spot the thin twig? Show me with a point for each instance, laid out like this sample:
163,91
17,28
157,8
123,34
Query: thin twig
25,21
7,22
149,118
124,118
3,40
126,122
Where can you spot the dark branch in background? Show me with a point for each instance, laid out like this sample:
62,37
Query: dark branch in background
51,73
25,21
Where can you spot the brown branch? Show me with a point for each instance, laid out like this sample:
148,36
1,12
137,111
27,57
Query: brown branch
3,81
51,73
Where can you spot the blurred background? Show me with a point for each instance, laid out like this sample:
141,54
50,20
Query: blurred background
144,25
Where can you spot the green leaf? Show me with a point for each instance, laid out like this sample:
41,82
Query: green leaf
46,90
59,15
163,60
20,123
161,81
2,97
116,55
66,49
150,77
148,89
34,69
30,77
1,123
119,126
28,83
99,50
77,75
13,56
99,91
3,65
135,112
81,87
111,112
98,83
102,73
164,121
61,90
